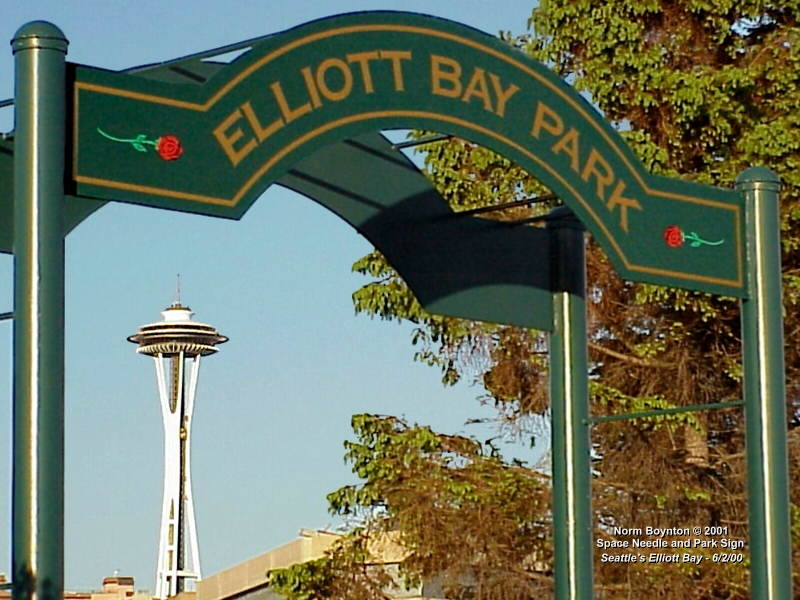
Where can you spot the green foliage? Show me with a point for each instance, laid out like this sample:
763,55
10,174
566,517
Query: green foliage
387,298
344,572
693,495
442,341
468,176
460,513
620,403
701,90
705,306
705,88
389,451
302,581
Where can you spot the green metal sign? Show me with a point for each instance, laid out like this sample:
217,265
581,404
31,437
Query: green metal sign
214,147
303,109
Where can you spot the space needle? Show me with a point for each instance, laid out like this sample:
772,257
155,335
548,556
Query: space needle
176,344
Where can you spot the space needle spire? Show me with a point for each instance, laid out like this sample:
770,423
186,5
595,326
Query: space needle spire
176,344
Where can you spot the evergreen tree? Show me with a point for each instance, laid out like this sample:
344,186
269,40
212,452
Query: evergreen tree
700,90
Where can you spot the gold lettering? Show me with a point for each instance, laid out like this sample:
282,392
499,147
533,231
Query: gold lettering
546,118
397,67
477,87
289,114
604,176
227,139
363,58
311,87
503,95
569,146
347,79
617,199
261,132
452,75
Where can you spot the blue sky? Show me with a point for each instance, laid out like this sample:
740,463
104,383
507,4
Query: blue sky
274,405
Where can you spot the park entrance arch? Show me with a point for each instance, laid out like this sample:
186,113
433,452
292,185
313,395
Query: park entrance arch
303,108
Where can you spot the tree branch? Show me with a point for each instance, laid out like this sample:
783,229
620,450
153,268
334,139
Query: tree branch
634,360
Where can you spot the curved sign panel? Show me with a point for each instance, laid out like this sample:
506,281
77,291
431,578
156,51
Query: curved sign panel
214,148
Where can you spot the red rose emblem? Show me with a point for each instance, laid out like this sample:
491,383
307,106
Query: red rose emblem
673,236
169,147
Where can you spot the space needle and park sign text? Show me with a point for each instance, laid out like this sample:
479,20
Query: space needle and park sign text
293,93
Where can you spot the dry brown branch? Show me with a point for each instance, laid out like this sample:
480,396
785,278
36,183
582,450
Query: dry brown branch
634,360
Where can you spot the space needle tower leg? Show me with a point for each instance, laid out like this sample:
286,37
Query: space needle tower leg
176,345
177,513
194,548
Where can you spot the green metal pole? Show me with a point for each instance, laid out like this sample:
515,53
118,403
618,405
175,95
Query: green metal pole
38,470
569,400
764,391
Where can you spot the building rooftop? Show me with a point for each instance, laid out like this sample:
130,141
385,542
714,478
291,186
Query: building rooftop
115,587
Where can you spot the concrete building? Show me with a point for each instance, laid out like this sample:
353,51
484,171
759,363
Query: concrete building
248,580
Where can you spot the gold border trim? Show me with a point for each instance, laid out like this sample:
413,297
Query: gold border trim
593,120
307,137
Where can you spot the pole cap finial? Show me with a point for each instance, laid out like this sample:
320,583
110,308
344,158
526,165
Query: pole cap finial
758,177
39,34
